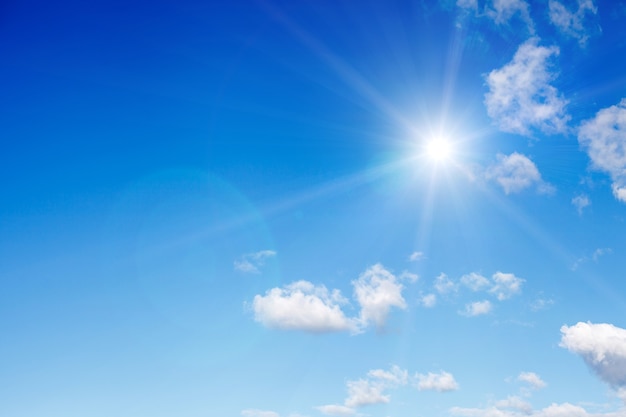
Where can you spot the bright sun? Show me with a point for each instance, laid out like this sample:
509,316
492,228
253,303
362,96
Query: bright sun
439,149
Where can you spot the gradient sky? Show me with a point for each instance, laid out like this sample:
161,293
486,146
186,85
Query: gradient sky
232,208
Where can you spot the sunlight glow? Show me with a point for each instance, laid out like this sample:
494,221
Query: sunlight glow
439,149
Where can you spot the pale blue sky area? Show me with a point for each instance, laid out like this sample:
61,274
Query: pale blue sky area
267,208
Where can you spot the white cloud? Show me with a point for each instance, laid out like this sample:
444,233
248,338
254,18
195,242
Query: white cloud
477,308
252,262
444,285
441,382
501,11
506,285
600,252
602,347
572,23
532,379
396,376
604,138
541,304
428,300
581,202
595,256
258,413
409,276
377,291
516,172
417,256
520,96
475,281
365,392
336,410
302,306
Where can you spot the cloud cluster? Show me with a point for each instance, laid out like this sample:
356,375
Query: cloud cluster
515,173
373,389
502,11
304,306
573,24
252,262
520,96
602,347
604,138
502,286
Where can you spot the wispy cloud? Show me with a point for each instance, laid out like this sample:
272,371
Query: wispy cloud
252,262
444,285
502,11
521,98
375,387
532,379
604,138
574,24
515,173
428,300
477,308
416,256
581,202
595,256
475,281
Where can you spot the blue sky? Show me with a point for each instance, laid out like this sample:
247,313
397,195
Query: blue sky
296,209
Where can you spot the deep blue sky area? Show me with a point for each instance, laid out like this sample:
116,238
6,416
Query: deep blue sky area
265,208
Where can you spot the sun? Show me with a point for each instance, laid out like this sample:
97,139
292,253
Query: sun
439,150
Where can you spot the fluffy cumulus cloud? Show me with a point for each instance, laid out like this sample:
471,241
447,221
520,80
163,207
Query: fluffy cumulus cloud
502,11
442,382
252,262
520,96
477,308
604,138
302,306
366,392
377,290
506,285
573,23
602,347
532,379
515,173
